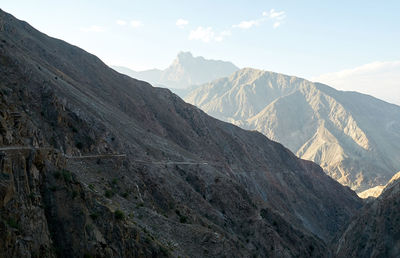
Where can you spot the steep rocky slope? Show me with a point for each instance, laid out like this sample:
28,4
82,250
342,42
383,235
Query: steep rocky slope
186,70
375,232
94,163
354,137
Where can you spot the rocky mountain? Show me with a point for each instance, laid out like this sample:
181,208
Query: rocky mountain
375,232
377,190
97,164
352,136
372,192
185,71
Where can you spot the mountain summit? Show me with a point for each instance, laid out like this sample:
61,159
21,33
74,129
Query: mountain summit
353,136
185,71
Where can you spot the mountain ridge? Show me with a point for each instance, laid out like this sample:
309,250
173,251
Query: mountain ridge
336,129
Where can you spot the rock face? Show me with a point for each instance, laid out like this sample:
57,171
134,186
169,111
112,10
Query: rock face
184,71
97,164
354,137
375,232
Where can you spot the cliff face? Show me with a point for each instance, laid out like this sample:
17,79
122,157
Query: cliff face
352,136
45,210
96,163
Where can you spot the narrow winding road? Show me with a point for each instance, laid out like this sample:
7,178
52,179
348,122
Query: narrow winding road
11,148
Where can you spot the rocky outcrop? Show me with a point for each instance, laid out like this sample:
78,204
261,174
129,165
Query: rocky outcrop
24,229
352,136
47,213
98,164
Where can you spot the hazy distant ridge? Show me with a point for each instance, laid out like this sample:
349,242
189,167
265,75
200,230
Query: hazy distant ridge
184,71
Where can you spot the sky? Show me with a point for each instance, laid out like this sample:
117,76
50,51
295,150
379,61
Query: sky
351,45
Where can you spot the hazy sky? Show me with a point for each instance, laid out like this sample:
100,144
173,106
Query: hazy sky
304,38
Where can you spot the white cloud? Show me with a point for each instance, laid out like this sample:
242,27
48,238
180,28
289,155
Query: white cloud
222,35
276,25
379,79
276,17
225,33
207,34
181,23
121,22
136,24
247,24
93,28
202,33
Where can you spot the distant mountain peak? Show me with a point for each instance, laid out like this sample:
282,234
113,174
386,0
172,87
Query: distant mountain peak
184,58
186,70
184,54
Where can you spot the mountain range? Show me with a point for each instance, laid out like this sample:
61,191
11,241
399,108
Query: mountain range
185,71
354,137
97,164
